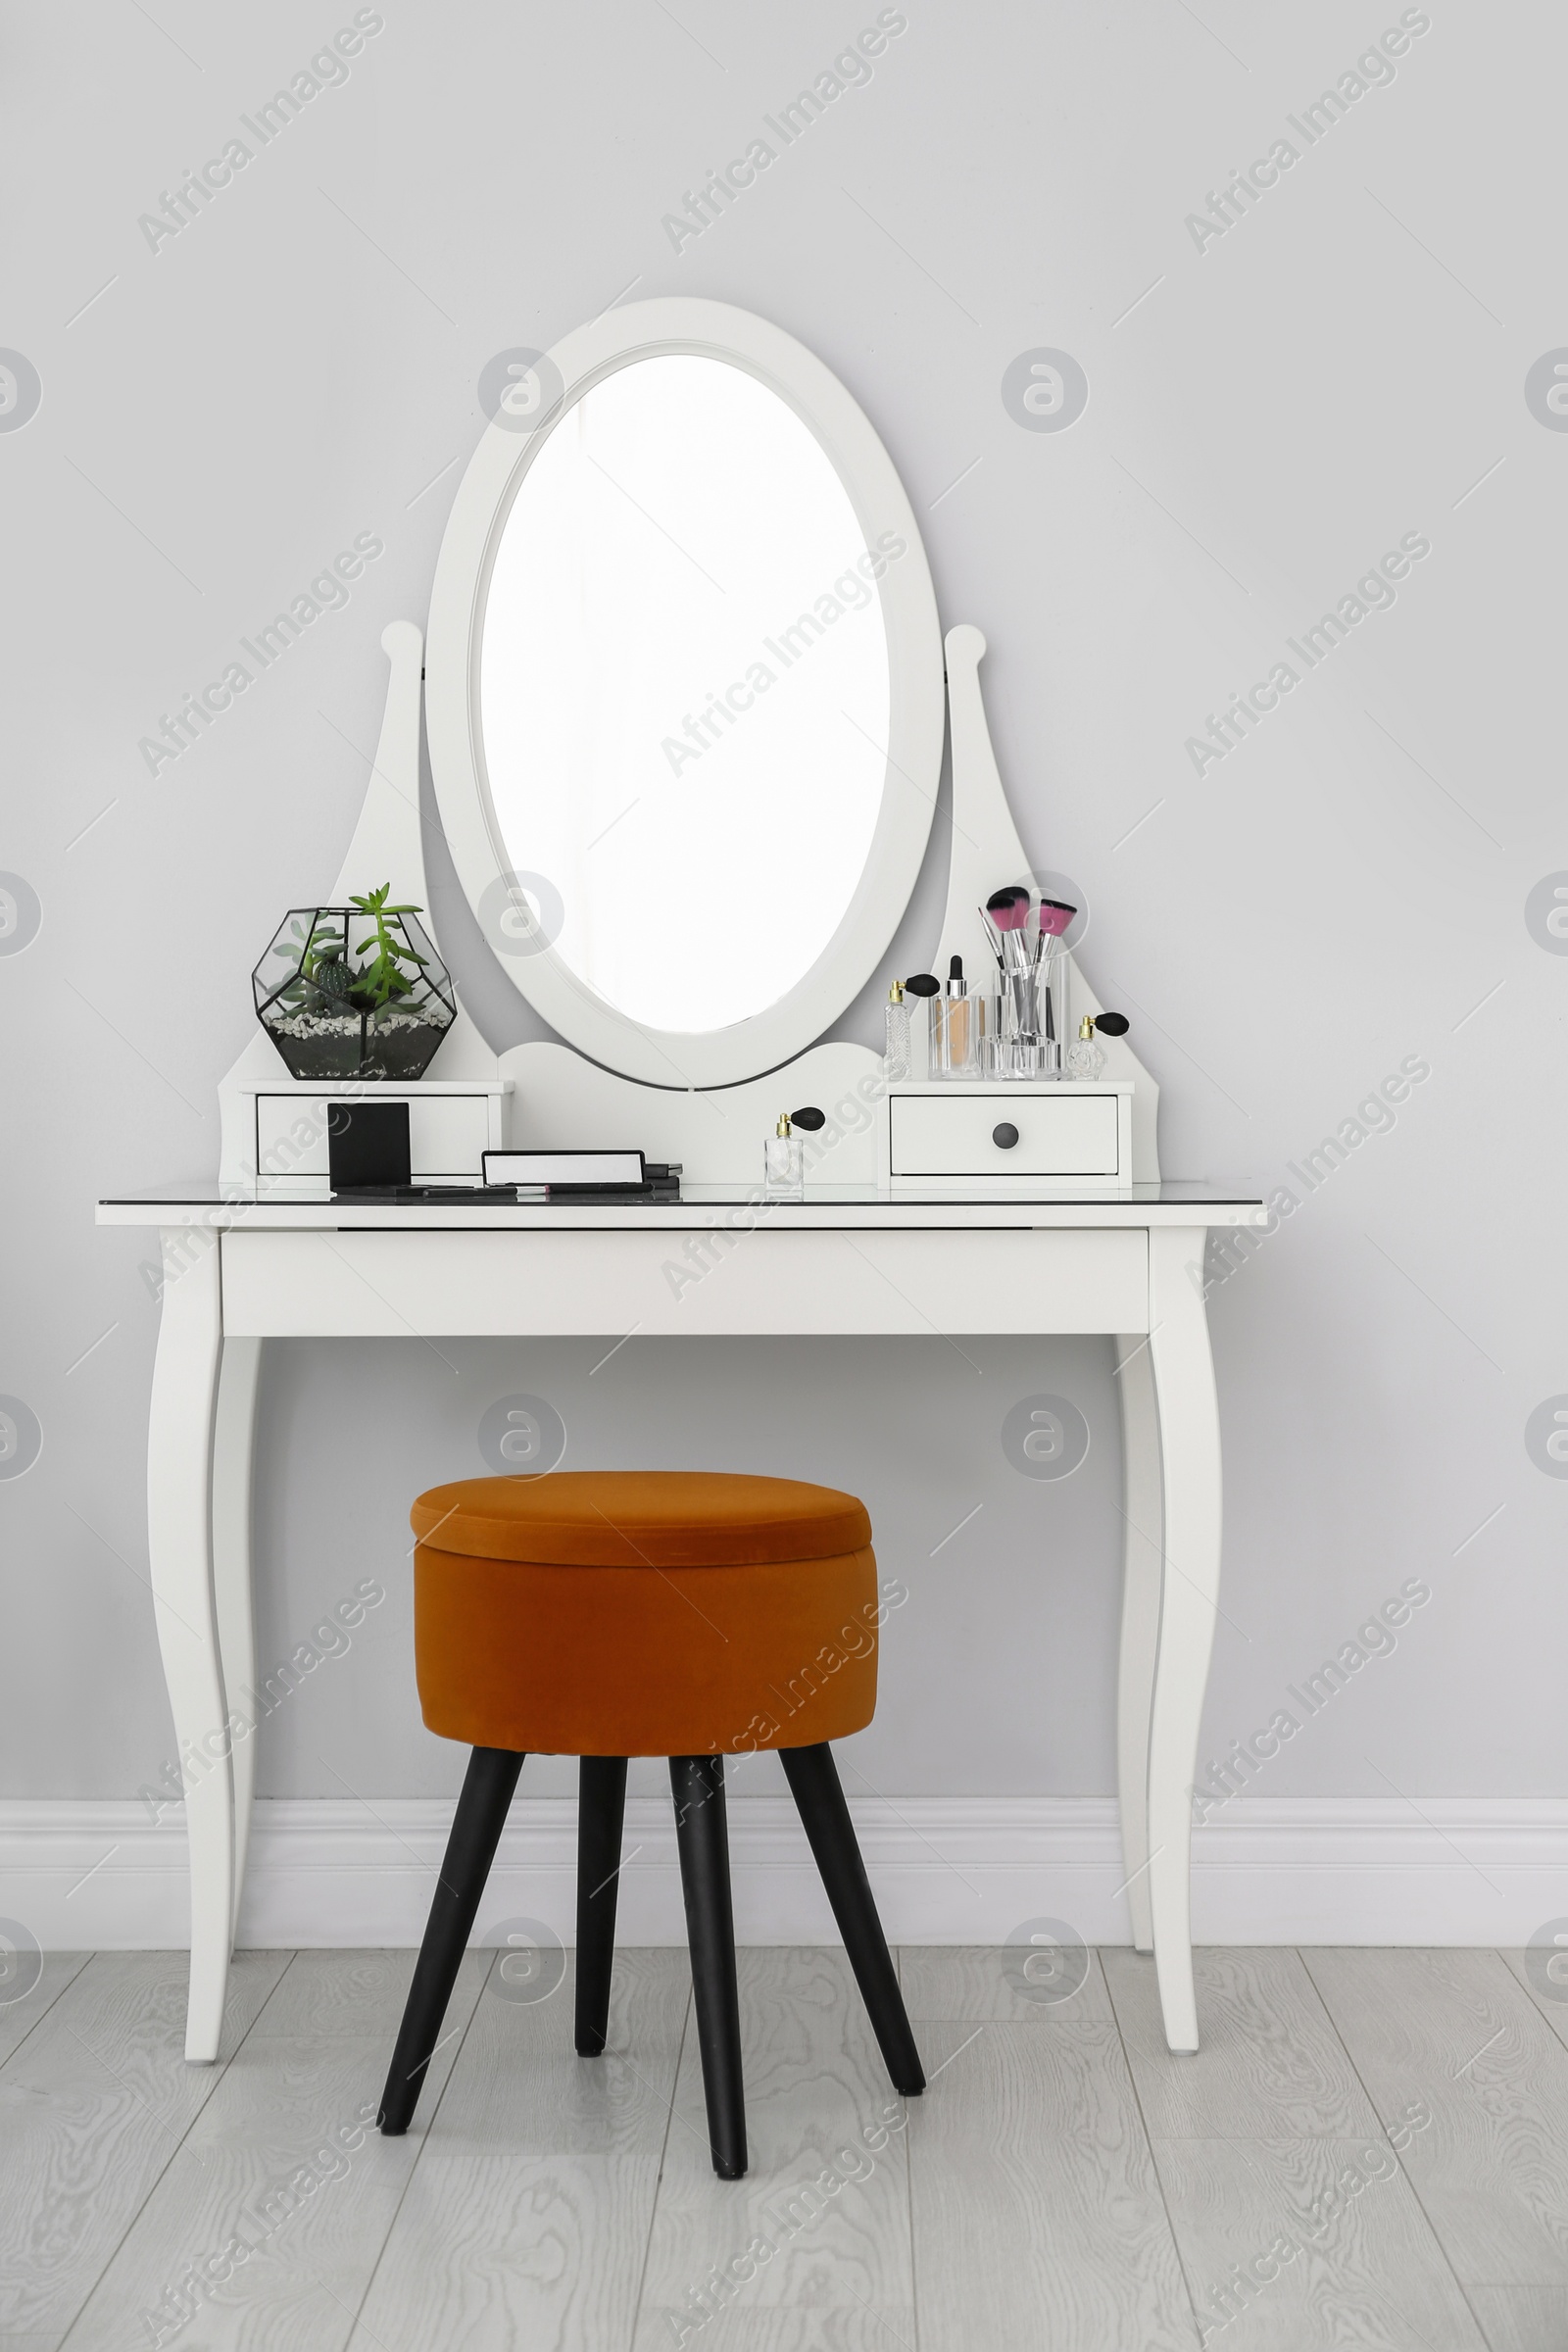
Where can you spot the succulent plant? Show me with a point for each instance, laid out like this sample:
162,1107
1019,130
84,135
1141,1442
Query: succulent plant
317,956
323,969
381,982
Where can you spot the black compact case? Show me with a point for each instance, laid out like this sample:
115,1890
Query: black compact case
367,1147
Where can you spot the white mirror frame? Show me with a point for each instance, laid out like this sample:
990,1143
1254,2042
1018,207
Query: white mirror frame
916,695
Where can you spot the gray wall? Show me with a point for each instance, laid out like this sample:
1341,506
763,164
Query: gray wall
1345,890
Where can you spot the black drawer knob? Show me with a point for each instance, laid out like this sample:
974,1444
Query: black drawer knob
1005,1135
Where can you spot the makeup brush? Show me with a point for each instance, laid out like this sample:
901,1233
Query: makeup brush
1054,916
1004,915
1013,901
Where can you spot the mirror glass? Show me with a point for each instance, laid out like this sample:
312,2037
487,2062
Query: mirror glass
683,697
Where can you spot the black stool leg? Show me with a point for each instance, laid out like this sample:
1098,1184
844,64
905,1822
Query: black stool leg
813,1780
477,1828
601,1816
696,1784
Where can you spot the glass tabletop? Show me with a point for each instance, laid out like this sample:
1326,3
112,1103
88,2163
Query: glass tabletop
1173,1193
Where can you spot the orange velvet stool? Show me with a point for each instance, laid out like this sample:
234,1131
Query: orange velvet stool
644,1613
614,1613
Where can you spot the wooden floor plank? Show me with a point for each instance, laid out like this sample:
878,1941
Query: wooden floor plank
1293,2245
267,2226
1457,2036
526,2221
1551,1999
336,1992
1270,2063
93,2106
1522,2319
19,2015
802,2329
1038,2215
992,1984
820,2224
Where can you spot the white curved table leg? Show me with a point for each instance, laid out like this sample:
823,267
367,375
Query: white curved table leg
233,1436
1190,1457
1140,1616
180,1453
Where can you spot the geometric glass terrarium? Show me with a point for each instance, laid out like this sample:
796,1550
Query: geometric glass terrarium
353,992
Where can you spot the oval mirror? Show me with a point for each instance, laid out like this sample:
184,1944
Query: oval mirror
688,755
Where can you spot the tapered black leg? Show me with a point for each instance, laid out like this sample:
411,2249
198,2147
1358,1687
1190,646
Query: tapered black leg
813,1780
601,1816
477,1828
697,1786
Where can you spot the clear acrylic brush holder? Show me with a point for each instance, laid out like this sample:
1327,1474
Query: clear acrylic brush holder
1023,1034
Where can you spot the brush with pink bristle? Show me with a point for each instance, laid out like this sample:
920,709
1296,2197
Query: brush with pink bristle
1004,915
1055,918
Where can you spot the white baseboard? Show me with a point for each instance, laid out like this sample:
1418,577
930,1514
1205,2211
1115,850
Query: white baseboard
946,1870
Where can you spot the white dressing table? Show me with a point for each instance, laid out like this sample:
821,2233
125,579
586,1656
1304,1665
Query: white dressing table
267,1252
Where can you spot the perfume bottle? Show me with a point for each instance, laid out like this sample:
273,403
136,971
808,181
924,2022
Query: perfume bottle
928,988
784,1163
1086,1058
896,1061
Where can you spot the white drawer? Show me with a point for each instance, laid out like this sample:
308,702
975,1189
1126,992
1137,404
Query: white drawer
503,1283
937,1135
447,1133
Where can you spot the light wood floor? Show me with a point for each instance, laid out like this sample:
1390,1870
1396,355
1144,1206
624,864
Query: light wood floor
1376,2142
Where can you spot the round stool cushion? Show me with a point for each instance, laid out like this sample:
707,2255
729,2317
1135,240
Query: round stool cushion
644,1613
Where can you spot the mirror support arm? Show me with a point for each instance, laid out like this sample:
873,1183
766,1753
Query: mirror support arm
388,844
987,854
386,837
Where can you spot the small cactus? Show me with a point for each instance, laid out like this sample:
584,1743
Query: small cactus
334,979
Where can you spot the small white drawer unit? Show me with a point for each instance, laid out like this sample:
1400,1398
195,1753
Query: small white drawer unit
1027,1137
451,1125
